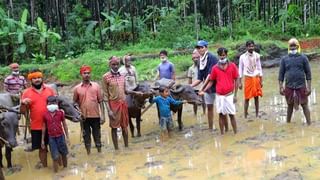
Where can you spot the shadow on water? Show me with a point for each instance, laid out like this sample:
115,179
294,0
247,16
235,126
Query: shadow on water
265,147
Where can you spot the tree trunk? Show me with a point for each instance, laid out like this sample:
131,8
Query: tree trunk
46,48
63,17
133,7
184,10
97,7
32,12
58,15
196,26
10,8
304,15
219,13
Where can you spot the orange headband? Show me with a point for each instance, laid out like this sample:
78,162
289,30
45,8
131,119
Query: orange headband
34,75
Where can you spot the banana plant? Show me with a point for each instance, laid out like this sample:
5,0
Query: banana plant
45,34
117,23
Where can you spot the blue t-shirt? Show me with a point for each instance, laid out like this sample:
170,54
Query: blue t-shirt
164,104
166,69
202,74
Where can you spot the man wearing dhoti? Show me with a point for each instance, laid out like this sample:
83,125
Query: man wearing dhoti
251,71
114,91
225,74
295,80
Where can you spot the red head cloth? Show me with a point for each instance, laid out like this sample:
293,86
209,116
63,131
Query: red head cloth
85,68
14,65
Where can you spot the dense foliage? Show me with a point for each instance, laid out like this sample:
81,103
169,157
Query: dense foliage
34,31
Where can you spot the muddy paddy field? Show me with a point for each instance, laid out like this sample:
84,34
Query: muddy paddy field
264,148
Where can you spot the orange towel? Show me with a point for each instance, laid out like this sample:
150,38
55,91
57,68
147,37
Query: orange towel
252,87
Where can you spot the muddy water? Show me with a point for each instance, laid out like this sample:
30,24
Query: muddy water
265,147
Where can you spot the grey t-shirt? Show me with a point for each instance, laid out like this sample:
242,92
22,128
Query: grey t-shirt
295,69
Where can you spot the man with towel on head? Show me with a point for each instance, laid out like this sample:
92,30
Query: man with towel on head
14,83
35,99
113,85
250,69
89,97
295,70
129,72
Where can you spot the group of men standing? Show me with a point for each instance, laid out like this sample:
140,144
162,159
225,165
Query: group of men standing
220,80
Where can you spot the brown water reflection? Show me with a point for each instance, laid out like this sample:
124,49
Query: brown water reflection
264,148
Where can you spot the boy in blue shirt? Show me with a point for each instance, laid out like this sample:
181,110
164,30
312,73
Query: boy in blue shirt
163,102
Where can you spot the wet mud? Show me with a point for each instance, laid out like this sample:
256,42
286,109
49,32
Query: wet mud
264,148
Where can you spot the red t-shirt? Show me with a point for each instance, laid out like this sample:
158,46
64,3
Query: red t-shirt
53,122
38,105
224,78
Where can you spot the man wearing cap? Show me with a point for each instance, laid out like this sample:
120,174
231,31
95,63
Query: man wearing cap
35,99
129,72
295,70
251,71
89,97
207,61
114,91
14,83
192,76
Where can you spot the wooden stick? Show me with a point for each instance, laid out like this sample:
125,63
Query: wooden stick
146,109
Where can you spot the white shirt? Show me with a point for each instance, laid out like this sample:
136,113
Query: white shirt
250,65
130,75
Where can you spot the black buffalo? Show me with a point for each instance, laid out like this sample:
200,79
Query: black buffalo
136,103
9,122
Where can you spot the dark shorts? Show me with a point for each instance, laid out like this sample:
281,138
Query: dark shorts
36,139
166,123
296,96
58,146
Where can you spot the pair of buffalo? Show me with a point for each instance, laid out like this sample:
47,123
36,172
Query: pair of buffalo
9,121
137,102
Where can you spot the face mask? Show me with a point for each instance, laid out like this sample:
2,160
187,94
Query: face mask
163,59
114,71
52,107
15,73
223,61
294,51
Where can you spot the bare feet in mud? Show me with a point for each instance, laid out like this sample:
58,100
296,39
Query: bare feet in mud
13,169
28,149
39,165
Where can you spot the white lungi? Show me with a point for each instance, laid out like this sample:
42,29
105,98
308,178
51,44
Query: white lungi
225,105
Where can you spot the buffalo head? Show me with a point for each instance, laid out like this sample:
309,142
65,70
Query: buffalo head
9,122
71,111
185,92
146,92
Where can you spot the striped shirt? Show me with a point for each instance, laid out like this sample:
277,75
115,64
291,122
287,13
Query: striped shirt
14,84
113,86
